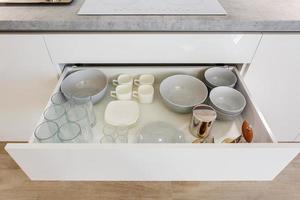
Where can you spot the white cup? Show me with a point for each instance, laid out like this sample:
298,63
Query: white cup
144,93
144,79
122,92
123,79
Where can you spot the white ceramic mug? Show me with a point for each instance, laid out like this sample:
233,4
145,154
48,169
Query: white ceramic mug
122,92
144,93
123,79
144,79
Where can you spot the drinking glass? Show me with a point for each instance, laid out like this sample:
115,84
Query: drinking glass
109,130
121,139
47,132
87,104
59,99
79,115
122,131
70,132
107,139
56,113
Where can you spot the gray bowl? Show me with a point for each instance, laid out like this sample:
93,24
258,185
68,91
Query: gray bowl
219,76
227,100
85,83
181,93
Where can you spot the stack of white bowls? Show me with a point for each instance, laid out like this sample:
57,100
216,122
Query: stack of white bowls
228,102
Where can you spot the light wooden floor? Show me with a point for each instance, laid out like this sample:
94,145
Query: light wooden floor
14,185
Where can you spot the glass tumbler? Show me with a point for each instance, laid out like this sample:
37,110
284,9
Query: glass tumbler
79,115
109,130
47,132
121,139
107,139
59,99
70,132
87,104
56,113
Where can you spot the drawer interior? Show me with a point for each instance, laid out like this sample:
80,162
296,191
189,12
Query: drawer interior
157,111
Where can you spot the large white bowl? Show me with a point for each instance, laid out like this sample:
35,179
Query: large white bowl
219,76
85,83
182,92
227,100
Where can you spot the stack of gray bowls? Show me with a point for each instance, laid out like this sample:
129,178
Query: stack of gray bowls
228,102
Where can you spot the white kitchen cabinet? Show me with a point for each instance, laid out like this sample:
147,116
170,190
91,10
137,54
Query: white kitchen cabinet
261,160
152,47
27,79
273,79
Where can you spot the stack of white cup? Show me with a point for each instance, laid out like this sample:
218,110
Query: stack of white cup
124,88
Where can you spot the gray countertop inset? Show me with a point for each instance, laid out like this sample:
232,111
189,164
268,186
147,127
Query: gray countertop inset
243,16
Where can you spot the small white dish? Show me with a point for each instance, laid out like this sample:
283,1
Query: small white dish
122,113
160,132
219,76
227,100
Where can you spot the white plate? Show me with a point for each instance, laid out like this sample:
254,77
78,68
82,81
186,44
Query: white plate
122,113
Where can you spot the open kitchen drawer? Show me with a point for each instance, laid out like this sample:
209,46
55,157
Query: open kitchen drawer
261,160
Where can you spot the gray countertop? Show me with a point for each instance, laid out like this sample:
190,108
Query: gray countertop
243,16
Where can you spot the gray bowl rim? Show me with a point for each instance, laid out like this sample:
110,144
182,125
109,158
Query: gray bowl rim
178,105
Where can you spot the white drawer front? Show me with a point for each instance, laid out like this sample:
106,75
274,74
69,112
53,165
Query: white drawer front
137,162
262,160
152,48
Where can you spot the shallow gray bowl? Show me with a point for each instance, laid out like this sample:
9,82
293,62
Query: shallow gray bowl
219,76
182,92
85,83
227,100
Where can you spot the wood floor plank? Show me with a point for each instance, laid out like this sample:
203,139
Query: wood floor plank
14,185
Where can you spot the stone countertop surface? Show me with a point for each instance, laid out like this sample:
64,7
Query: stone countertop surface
243,16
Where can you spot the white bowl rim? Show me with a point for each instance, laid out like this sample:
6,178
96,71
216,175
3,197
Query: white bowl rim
179,105
224,110
219,68
84,70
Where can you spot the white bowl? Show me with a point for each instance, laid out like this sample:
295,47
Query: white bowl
182,92
85,83
227,100
219,76
160,132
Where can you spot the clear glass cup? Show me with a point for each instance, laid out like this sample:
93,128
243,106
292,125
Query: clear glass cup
59,99
56,113
109,130
122,131
121,139
107,139
47,132
70,132
87,104
79,115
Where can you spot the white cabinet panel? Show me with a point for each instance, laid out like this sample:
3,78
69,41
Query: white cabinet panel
27,79
273,79
152,47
